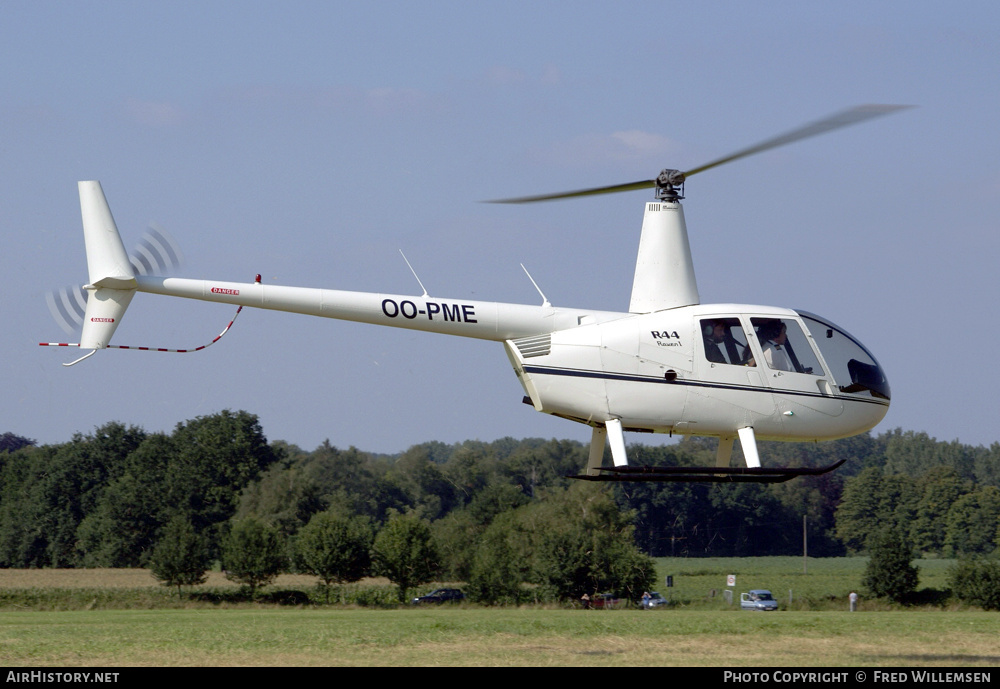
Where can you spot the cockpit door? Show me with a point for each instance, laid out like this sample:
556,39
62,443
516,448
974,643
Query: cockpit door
727,368
792,368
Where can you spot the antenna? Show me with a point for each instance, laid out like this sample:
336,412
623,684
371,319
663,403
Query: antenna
414,273
545,301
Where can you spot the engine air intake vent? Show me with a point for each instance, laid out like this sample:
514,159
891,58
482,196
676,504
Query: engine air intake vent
539,345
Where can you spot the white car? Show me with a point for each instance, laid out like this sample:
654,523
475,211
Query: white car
655,600
758,599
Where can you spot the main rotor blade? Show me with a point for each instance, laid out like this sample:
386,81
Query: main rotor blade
845,118
632,186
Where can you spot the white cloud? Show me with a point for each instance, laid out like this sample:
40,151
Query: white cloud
505,75
548,74
637,144
153,114
347,99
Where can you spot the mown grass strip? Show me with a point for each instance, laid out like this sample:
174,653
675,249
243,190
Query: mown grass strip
497,637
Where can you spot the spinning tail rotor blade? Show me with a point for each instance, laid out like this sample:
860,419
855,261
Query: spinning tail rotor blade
67,306
157,253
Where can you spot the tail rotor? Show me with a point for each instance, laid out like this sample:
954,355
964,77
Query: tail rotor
157,253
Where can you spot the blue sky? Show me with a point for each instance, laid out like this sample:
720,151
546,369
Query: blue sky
311,141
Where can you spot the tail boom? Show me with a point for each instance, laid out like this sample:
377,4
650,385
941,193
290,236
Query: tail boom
476,319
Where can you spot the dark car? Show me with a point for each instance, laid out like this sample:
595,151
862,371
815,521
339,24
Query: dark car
607,601
441,596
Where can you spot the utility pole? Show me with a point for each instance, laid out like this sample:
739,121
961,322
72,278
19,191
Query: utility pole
805,546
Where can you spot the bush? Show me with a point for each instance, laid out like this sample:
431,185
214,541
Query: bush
976,581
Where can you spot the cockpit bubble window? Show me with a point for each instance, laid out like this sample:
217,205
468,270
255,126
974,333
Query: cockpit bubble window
853,367
725,342
785,346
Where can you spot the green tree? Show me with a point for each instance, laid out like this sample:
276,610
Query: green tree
181,557
10,442
497,567
579,541
217,457
49,492
282,496
987,465
253,554
423,480
941,488
334,547
132,509
404,552
889,573
302,484
872,500
972,522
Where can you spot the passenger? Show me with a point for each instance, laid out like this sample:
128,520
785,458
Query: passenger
722,348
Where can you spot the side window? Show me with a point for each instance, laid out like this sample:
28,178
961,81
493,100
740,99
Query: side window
785,346
725,342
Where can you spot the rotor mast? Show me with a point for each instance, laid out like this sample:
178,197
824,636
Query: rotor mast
664,270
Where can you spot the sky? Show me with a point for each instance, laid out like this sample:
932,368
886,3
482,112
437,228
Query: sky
311,142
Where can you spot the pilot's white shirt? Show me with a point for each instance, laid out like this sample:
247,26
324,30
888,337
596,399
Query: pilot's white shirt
776,358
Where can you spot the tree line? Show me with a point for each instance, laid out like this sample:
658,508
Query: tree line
496,512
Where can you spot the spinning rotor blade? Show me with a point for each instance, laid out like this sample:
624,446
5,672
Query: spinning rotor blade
633,186
671,178
845,118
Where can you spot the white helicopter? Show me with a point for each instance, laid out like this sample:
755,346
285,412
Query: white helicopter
668,365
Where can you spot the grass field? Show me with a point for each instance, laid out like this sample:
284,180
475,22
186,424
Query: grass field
819,583
698,630
465,636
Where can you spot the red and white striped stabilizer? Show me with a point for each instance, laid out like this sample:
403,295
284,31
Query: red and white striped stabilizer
148,349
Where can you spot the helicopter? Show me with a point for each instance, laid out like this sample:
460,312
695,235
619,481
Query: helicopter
670,364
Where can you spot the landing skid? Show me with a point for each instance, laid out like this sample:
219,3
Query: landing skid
705,474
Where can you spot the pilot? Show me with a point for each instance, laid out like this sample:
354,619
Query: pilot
773,338
722,348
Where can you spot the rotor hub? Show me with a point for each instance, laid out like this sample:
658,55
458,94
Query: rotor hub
670,185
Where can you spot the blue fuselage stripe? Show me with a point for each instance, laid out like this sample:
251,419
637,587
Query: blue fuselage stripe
583,373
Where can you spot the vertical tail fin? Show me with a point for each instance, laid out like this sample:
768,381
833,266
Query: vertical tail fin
112,281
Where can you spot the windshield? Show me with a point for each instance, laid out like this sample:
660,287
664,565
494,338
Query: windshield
853,367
